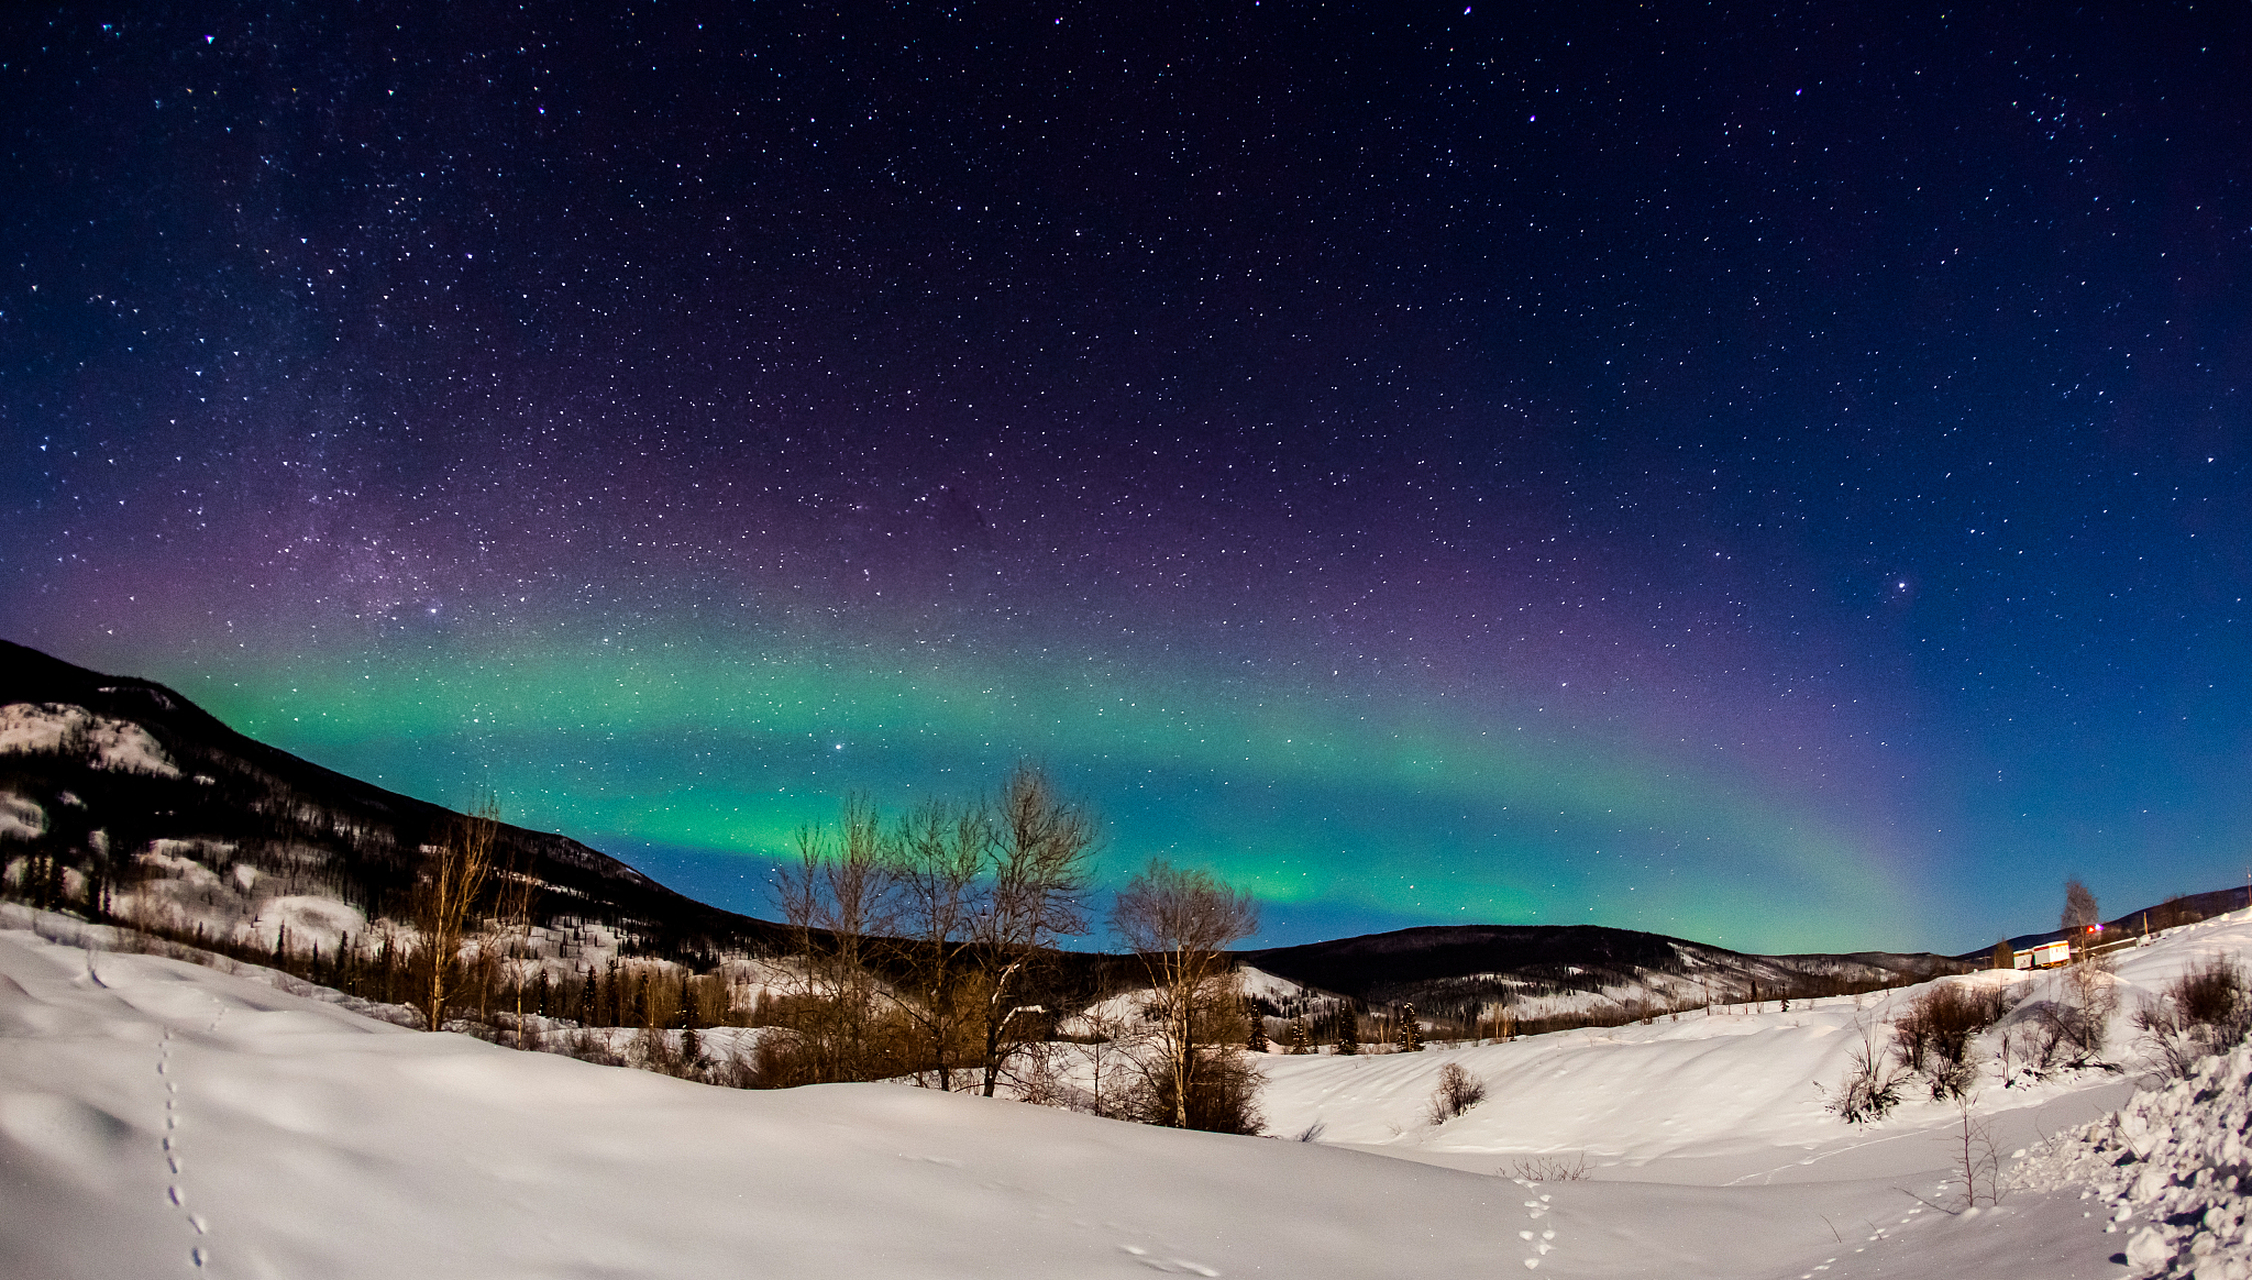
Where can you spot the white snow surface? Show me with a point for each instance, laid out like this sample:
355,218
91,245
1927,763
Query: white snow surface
117,744
21,816
158,1117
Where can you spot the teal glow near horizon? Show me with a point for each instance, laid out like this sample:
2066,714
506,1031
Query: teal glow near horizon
1327,803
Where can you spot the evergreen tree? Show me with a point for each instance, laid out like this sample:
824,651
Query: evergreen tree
1349,1033
1258,1042
1411,1035
1298,1040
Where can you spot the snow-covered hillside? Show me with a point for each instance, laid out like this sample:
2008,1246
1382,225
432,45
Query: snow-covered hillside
156,1116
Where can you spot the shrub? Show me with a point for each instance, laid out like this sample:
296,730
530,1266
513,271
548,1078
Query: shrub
2203,1012
1871,1088
1458,1091
779,1060
1549,1169
1933,1037
1223,1094
2212,995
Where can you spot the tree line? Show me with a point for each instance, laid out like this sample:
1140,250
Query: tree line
928,945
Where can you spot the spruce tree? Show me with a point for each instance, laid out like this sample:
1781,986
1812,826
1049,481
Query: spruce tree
1349,1033
1411,1036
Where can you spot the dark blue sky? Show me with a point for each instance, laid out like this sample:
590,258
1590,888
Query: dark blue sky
1776,476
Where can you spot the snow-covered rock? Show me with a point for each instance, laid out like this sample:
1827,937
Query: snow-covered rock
2175,1161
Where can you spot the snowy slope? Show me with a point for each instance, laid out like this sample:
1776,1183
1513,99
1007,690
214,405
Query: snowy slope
156,1117
1689,1097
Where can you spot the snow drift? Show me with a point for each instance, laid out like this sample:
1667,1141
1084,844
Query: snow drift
156,1116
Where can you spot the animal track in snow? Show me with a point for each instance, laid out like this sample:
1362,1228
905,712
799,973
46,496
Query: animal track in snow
169,1143
1541,1242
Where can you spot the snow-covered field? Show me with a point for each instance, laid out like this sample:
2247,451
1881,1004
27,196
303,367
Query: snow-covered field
157,1117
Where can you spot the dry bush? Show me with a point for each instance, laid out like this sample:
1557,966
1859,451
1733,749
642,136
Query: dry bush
2203,1012
1871,1088
780,1060
1933,1037
654,1050
1978,1161
1458,1091
1996,999
2068,1031
1549,1169
1223,1094
2031,1044
2211,994
1038,1075
587,1046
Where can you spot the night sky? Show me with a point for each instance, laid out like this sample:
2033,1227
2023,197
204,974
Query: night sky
1772,476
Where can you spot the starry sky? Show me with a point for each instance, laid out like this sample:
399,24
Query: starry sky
1776,476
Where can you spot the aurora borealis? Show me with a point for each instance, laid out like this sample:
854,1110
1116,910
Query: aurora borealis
1776,478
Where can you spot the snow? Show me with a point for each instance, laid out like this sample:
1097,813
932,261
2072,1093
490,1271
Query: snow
2176,1160
311,921
159,1116
21,817
116,744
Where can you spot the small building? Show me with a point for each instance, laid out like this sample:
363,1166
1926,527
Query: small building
2045,955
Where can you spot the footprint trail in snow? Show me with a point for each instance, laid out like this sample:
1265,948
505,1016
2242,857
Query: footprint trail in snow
199,1255
1539,1239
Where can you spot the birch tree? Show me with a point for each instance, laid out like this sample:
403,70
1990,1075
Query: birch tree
453,875
1180,922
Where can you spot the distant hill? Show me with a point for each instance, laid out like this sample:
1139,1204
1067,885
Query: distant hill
1569,971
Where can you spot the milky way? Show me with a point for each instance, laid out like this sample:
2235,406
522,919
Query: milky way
1773,477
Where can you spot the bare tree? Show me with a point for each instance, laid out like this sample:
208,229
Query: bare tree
1181,923
1977,1159
2079,913
1042,861
939,855
2081,1018
510,935
838,896
453,875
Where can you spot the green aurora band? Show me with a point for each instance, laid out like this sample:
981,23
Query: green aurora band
1327,803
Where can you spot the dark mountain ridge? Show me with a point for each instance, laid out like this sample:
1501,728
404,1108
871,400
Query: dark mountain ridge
94,799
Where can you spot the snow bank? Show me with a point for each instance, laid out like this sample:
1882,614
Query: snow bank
2176,1159
116,744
